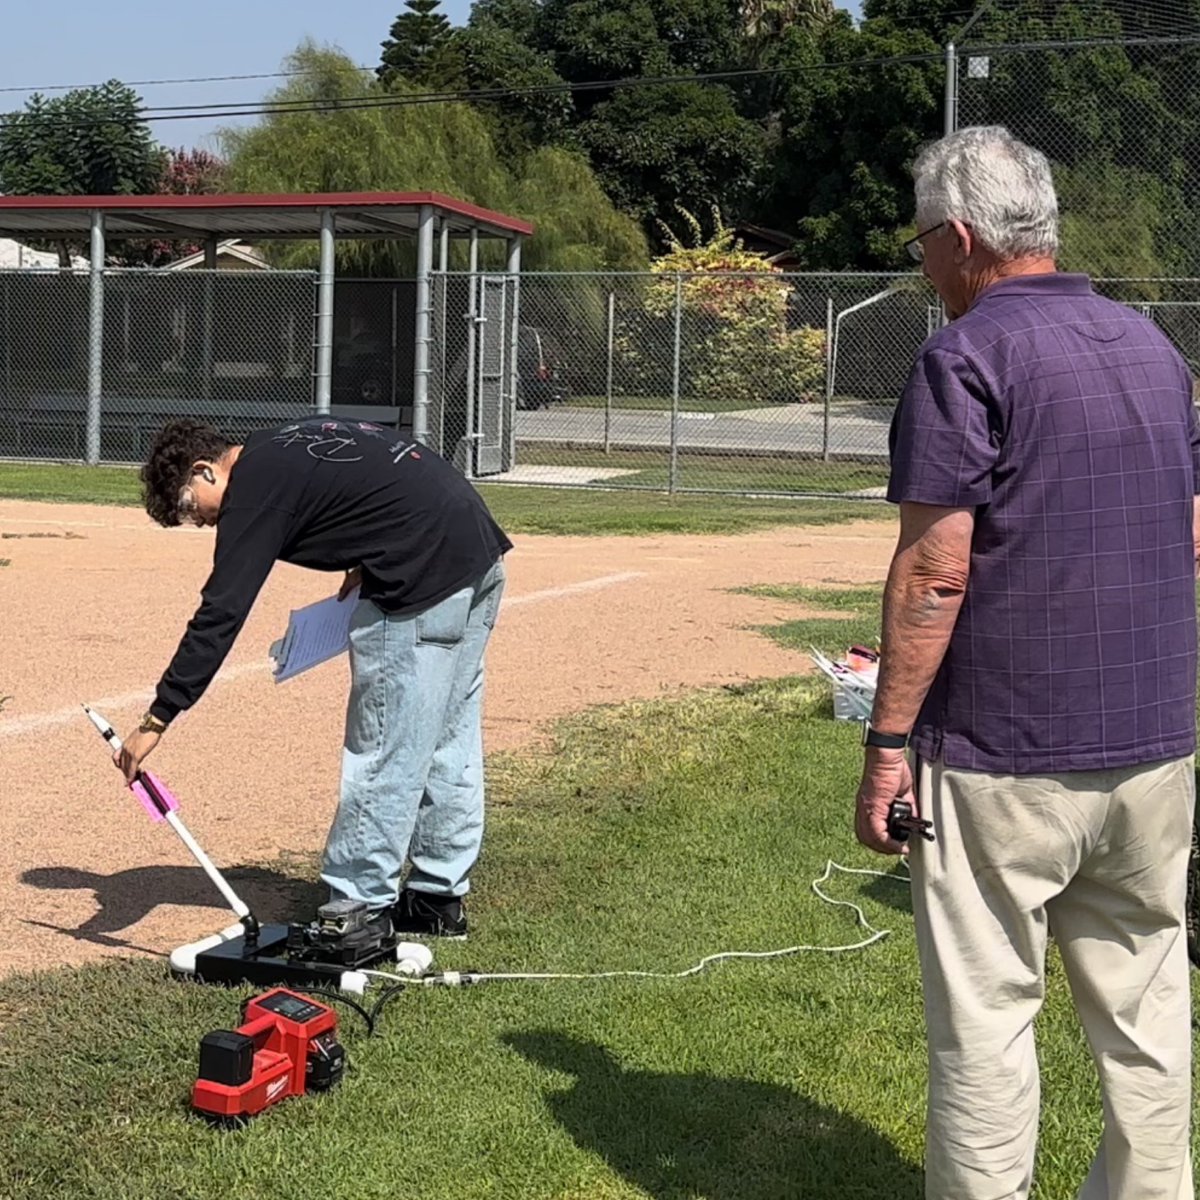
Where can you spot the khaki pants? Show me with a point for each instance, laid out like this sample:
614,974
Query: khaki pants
1098,859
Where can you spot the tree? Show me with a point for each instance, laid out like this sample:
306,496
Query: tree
445,147
184,173
769,18
653,147
87,142
656,148
421,48
192,173
846,136
534,108
938,19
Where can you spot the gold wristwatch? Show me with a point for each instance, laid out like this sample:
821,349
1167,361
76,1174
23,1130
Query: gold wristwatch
152,724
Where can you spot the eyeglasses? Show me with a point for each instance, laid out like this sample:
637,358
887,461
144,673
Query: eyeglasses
915,250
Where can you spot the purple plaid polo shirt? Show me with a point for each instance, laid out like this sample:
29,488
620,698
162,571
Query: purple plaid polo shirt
1066,421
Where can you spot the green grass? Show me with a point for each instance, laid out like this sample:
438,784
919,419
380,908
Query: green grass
847,616
662,404
647,837
742,472
568,511
54,481
579,511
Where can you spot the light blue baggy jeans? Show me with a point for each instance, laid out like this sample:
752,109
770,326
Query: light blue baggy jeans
412,762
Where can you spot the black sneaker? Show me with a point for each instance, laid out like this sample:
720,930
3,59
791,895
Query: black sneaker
423,914
380,922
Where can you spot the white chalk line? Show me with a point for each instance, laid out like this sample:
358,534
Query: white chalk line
36,722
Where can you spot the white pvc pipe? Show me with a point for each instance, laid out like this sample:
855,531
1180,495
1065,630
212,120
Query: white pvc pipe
176,822
231,897
183,958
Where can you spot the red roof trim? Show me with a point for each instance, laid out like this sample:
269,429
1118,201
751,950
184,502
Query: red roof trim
333,200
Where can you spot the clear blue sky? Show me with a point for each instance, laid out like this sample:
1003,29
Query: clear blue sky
87,42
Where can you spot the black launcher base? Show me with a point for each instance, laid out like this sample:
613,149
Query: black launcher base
270,962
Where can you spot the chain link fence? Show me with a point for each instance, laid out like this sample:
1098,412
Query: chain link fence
766,383
761,383
233,348
769,384
1109,90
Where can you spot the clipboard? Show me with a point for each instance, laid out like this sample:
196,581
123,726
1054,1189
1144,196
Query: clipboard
315,634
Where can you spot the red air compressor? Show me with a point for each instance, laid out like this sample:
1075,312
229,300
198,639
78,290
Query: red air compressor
286,1045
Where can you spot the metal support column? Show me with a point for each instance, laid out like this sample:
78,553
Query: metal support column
830,366
509,434
673,462
424,313
950,101
95,385
443,344
471,439
608,374
206,351
324,391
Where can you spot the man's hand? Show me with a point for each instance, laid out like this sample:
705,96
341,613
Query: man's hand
353,579
133,750
886,777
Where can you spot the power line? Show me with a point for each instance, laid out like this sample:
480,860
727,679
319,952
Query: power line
210,111
615,44
464,96
72,87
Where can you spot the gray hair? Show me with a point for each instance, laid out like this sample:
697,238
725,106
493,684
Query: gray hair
986,178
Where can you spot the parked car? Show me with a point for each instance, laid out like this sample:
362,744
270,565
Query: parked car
541,369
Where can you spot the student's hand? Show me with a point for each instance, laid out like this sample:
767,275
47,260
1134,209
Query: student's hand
353,579
133,750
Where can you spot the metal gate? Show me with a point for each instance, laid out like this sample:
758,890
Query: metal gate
493,360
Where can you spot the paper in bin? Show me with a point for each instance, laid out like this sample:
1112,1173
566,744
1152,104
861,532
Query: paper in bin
855,690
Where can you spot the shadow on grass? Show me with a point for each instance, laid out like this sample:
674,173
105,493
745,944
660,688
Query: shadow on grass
125,897
895,890
683,1136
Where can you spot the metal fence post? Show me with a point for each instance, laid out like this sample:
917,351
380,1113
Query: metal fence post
7,327
509,437
424,314
444,268
471,438
206,353
828,376
325,313
95,339
608,383
673,474
950,101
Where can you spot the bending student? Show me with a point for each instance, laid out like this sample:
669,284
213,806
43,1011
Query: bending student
1040,659
419,541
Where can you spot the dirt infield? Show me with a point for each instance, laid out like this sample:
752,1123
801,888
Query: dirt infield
92,606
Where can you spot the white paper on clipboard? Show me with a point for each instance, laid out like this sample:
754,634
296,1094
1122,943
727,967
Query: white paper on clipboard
315,634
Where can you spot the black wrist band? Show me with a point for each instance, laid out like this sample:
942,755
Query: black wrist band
884,741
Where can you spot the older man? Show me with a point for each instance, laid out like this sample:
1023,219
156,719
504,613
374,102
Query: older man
1040,661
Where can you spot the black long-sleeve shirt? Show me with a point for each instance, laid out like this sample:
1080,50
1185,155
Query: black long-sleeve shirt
332,495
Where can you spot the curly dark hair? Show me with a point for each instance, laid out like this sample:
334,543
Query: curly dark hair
169,466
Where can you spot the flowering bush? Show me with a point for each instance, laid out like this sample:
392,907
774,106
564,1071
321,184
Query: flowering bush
736,343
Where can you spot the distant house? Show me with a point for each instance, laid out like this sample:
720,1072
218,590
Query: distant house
777,247
232,255
14,256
